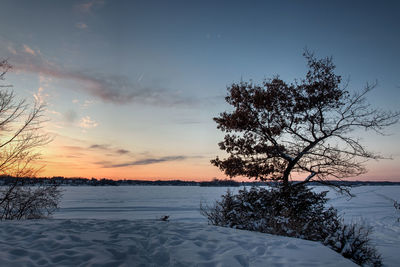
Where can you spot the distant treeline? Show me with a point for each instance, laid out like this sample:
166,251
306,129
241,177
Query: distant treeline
7,180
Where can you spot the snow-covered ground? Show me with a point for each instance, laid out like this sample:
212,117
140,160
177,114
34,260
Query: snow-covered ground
152,243
117,226
373,205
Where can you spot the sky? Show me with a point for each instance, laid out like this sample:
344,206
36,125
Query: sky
132,86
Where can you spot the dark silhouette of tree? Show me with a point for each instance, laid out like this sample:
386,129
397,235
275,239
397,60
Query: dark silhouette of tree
20,137
276,129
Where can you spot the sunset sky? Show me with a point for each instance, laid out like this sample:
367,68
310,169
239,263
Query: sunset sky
132,86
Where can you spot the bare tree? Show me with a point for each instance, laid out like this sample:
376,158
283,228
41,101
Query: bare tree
20,137
276,129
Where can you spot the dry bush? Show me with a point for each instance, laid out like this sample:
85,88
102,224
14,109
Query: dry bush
19,201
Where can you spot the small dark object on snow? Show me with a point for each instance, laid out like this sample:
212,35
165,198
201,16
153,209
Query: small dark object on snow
164,218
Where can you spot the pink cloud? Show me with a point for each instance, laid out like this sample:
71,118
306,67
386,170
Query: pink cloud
29,50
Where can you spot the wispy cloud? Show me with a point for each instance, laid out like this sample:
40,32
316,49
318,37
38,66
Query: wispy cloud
111,88
11,49
28,50
100,146
107,87
81,25
87,123
40,96
146,161
122,151
54,112
88,103
88,6
84,104
109,148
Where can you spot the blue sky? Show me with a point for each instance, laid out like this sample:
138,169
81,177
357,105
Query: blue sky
147,77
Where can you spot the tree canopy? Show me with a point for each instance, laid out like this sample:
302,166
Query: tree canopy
278,129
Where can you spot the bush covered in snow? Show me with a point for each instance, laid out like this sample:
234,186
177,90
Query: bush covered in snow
295,212
352,241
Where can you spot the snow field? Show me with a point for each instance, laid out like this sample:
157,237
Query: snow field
119,226
152,243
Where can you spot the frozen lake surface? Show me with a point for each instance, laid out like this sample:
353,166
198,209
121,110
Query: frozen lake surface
372,205
181,203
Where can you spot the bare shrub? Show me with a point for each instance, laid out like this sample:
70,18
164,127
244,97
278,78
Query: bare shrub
19,201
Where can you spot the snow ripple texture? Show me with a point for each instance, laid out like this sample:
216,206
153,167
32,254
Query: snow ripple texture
89,242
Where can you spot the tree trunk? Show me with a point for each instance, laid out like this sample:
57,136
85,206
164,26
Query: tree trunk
285,180
286,173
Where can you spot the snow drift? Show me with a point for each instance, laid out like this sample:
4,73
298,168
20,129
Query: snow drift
152,243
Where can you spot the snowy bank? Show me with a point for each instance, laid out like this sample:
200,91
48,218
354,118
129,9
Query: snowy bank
152,243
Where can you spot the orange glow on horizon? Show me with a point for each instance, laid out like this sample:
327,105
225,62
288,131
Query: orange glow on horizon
68,157
173,171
